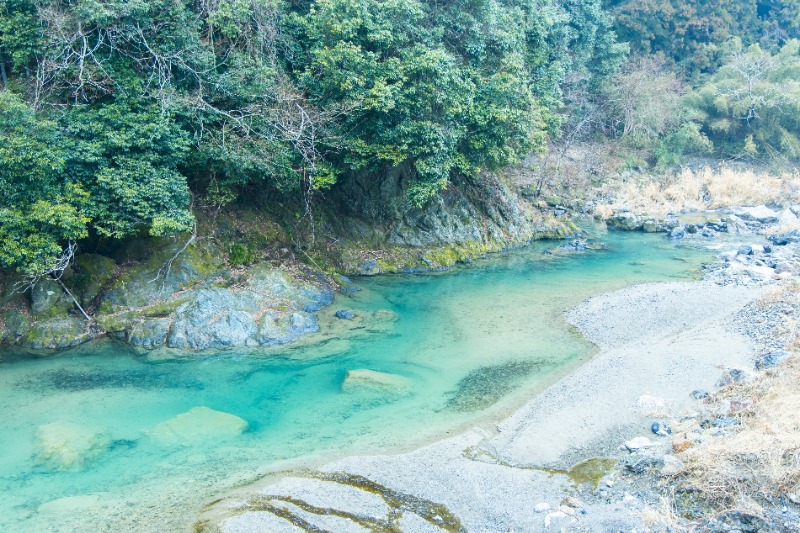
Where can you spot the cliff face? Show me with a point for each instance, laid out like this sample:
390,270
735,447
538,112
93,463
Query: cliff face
159,293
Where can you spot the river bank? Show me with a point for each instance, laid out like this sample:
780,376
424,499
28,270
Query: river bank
582,455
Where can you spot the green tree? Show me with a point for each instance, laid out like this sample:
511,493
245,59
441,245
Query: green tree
39,210
751,107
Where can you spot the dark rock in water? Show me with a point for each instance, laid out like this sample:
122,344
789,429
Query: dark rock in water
767,249
699,394
708,233
725,422
368,268
659,428
745,249
770,359
345,314
691,229
677,233
576,246
349,290
547,252
641,463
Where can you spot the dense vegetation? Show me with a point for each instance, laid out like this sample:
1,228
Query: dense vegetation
114,110
117,113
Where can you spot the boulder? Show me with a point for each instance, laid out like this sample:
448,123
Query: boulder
624,220
788,220
68,447
745,249
678,232
368,267
345,314
57,333
366,380
651,225
92,273
761,213
672,466
199,425
45,295
149,333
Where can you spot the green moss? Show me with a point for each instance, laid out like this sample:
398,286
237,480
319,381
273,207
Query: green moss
162,309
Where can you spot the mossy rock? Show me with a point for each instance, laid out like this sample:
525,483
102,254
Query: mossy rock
56,334
13,324
92,273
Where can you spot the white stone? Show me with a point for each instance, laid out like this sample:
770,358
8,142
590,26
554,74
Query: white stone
760,213
541,507
196,426
369,380
65,446
639,443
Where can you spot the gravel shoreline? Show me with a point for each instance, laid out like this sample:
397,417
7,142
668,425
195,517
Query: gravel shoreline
658,342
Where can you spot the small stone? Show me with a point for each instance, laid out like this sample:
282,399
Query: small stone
345,314
571,501
641,464
699,394
638,443
745,249
672,466
541,507
767,249
659,428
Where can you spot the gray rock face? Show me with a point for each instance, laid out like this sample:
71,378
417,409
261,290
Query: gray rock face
45,295
378,209
57,333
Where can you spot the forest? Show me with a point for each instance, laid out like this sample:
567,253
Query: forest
119,117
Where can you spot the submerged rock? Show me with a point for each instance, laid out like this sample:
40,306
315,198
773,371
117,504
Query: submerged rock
363,379
198,425
345,314
70,447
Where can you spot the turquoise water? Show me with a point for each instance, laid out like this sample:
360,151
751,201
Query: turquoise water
474,343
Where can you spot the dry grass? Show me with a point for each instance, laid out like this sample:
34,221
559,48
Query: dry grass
705,188
761,461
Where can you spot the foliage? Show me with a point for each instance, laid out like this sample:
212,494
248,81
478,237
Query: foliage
751,107
38,209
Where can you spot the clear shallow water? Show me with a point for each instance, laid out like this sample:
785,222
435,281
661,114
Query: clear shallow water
474,342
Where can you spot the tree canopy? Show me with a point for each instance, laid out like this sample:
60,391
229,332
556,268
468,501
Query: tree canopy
126,108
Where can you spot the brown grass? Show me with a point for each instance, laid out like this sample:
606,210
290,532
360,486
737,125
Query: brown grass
705,188
761,461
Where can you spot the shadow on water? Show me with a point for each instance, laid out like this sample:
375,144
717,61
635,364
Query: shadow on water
81,380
